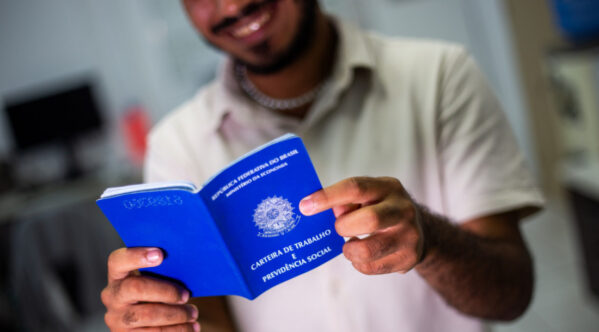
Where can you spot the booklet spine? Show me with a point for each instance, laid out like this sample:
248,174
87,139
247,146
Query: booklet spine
245,290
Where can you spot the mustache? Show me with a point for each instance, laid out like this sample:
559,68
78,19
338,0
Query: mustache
246,11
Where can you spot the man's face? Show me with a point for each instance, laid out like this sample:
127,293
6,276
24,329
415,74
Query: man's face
266,35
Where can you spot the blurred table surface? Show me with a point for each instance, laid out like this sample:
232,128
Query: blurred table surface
23,202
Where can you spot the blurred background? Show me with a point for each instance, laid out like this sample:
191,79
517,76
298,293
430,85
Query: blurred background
82,82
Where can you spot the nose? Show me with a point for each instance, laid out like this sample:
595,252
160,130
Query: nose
232,8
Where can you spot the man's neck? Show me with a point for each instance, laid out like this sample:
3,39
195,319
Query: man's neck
307,72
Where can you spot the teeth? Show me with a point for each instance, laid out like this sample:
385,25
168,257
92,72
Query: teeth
251,27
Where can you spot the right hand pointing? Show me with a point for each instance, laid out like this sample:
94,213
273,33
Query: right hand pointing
139,303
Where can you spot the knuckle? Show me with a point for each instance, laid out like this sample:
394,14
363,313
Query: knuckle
174,315
356,186
130,317
371,218
153,312
145,312
389,245
113,258
373,268
111,320
377,246
365,268
381,268
348,251
131,287
105,296
393,183
136,284
343,226
108,319
111,263
172,293
392,214
168,293
391,180
363,251
339,228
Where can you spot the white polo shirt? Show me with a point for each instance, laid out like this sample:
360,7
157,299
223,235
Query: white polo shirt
416,110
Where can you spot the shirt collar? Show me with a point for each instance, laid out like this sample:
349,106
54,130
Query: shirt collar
354,47
354,52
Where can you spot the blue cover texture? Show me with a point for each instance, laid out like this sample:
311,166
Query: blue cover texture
242,233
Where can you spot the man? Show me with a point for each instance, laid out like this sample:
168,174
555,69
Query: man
441,205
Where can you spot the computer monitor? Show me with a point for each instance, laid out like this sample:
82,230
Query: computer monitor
56,116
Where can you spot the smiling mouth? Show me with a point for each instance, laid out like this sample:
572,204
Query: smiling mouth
252,25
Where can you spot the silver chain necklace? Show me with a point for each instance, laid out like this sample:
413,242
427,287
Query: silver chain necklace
273,103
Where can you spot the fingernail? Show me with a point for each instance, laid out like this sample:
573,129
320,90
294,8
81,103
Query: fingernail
185,296
193,312
196,327
153,256
306,205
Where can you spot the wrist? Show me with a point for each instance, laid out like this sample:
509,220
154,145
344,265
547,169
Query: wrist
429,224
420,216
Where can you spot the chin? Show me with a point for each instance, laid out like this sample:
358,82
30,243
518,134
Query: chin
264,67
275,58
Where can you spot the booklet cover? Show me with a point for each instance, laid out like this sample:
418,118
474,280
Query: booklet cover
241,234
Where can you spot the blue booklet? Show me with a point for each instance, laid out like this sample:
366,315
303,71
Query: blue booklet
241,234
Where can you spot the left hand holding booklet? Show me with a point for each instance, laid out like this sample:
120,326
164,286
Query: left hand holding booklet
241,233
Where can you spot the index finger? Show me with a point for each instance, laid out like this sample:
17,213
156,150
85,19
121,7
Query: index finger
356,190
123,261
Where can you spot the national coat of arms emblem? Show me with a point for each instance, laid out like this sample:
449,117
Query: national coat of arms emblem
274,216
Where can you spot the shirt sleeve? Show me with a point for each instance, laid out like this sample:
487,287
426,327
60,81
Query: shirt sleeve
484,171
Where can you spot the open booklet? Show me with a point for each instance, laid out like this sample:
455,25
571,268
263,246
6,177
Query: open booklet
241,233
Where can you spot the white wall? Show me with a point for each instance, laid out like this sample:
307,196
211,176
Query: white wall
494,49
43,42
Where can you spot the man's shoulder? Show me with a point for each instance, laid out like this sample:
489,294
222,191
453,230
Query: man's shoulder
195,115
406,48
415,60
416,55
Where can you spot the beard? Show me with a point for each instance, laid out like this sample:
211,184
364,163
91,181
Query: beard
300,43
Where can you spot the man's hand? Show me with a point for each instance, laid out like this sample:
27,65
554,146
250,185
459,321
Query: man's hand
138,303
481,267
380,208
